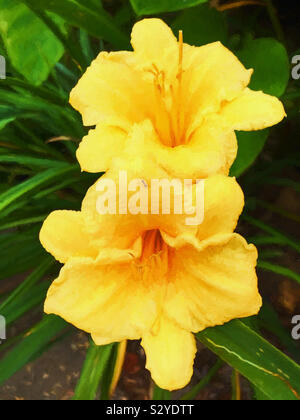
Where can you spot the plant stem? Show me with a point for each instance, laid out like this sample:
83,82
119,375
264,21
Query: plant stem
205,381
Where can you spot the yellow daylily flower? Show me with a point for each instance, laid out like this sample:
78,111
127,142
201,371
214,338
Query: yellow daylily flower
149,277
194,97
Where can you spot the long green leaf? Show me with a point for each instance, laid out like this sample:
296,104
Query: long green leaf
22,222
96,22
161,394
26,247
93,369
34,342
108,374
34,297
262,364
192,394
274,232
278,269
269,320
38,181
31,161
27,284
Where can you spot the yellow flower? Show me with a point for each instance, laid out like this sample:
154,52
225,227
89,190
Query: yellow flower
194,98
149,277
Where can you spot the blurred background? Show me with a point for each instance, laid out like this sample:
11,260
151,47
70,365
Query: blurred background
47,45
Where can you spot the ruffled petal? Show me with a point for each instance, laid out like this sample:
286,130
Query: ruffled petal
112,230
253,110
211,149
64,236
108,301
170,353
212,75
99,147
154,44
211,282
223,205
112,91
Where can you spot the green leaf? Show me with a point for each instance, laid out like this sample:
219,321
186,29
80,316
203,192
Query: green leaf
31,346
32,55
278,269
16,298
26,246
93,369
30,161
201,25
192,394
22,222
96,22
251,145
38,181
34,297
283,182
109,372
161,394
276,375
274,232
6,121
269,320
149,7
259,395
7,115
270,62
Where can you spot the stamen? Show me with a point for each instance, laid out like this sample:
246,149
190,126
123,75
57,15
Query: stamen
180,54
179,77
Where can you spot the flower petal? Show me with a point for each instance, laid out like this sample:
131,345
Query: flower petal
253,111
64,236
170,353
99,147
108,89
212,282
106,300
154,43
113,230
212,149
223,205
212,75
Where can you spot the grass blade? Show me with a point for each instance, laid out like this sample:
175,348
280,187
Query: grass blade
278,269
192,394
38,181
93,369
34,342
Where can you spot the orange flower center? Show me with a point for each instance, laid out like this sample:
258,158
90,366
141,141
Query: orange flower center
155,259
169,120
